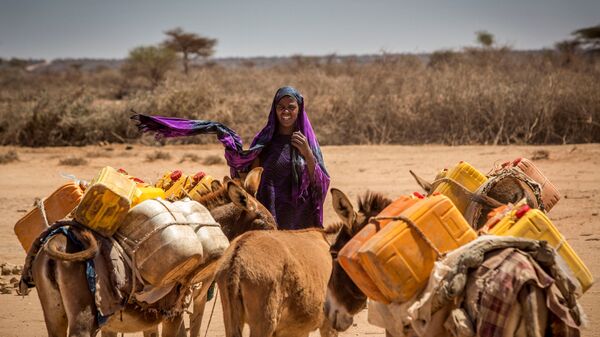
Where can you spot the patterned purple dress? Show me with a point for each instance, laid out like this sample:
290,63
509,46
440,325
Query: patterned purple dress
275,191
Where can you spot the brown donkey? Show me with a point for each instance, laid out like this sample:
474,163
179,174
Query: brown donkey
344,298
277,281
237,211
68,305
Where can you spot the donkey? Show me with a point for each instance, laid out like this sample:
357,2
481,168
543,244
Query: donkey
62,287
224,205
345,299
277,281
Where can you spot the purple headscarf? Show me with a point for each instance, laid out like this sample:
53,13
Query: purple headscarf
240,160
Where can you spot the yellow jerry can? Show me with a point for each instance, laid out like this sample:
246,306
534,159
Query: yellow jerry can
400,257
467,176
106,201
534,224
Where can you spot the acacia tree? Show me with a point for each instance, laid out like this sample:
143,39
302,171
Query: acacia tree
588,38
485,38
189,45
151,62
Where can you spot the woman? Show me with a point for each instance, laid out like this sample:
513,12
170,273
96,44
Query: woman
294,182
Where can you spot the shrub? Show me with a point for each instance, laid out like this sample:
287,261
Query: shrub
73,161
8,157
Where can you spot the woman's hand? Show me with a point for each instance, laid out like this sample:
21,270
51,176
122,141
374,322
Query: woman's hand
300,142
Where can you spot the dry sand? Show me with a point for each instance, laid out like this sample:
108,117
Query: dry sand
354,169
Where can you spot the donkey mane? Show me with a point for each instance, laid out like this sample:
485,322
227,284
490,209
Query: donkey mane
371,203
215,199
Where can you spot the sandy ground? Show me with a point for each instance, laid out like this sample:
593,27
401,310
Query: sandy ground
354,169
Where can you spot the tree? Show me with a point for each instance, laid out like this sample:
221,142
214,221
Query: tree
484,38
189,45
150,62
588,38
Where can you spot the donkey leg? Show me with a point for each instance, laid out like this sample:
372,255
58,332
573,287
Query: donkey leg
233,308
198,311
262,305
153,332
170,327
77,299
55,317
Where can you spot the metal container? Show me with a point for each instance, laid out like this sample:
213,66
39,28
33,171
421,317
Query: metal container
161,242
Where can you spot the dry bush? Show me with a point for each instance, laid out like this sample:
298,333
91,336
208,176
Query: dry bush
73,161
492,96
8,157
190,157
106,153
213,159
158,155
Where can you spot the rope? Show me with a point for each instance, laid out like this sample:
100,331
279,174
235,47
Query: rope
211,312
40,204
412,225
472,196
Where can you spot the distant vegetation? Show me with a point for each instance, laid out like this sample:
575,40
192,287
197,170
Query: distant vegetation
478,95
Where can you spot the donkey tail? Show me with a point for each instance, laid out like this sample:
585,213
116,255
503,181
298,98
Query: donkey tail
228,280
58,250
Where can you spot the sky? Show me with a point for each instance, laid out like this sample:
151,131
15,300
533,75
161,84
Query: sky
51,29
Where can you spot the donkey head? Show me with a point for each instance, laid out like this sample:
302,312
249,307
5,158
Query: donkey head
344,298
234,206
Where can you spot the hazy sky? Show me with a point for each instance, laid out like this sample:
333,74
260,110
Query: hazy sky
109,29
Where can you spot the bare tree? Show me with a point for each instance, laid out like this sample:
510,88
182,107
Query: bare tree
151,62
189,45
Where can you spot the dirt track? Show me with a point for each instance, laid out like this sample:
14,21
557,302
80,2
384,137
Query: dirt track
354,169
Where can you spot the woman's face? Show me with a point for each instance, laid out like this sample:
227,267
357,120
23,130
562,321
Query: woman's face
287,113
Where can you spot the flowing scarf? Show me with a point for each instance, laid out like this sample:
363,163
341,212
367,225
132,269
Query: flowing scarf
240,160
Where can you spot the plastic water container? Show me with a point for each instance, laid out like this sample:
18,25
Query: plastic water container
201,185
106,201
167,179
465,175
175,184
399,260
57,206
348,255
534,224
163,245
209,232
550,194
214,242
146,193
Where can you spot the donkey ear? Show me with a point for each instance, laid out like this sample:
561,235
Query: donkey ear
252,180
343,207
215,185
425,185
240,197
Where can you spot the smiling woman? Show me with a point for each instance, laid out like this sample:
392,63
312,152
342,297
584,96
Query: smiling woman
294,182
